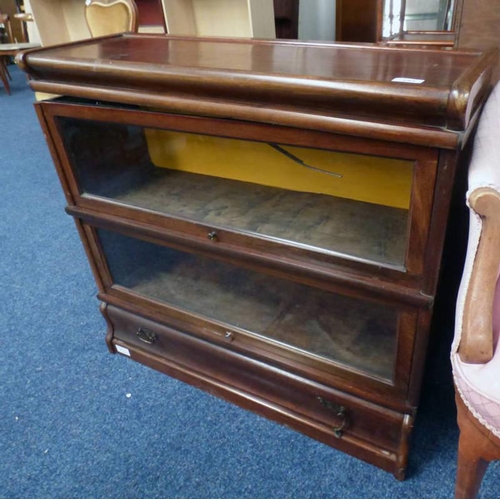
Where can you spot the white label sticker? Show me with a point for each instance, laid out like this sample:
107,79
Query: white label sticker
401,79
122,350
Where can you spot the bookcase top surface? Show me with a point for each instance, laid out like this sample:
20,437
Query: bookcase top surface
422,87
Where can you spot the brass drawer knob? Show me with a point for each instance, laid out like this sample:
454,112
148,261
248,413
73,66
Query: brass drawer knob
340,411
147,336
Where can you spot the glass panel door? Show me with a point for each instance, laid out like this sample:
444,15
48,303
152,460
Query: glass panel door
315,323
345,203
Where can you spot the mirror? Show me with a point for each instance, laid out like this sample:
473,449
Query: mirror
403,18
431,23
403,22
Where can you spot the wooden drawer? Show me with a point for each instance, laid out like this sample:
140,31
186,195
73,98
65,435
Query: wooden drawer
368,431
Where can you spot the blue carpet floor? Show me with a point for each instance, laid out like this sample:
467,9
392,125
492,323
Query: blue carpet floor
78,422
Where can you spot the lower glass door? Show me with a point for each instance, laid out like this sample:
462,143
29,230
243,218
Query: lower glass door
305,320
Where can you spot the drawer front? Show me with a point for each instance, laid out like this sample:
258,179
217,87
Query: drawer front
323,412
274,190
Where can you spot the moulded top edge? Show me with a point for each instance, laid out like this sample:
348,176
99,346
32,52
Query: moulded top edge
431,87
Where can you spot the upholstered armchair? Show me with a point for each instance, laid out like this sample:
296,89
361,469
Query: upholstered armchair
475,355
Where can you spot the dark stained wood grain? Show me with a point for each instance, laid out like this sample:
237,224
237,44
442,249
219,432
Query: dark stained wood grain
303,320
358,20
424,178
404,444
108,112
263,389
430,38
150,13
334,278
442,197
477,447
360,384
132,163
266,64
55,154
356,81
303,120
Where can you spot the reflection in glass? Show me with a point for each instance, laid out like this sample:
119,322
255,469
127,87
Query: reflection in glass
355,205
417,15
392,23
349,331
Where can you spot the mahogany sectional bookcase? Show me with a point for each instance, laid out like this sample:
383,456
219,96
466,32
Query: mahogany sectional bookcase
265,220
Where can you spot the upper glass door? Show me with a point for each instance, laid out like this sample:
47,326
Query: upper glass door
328,201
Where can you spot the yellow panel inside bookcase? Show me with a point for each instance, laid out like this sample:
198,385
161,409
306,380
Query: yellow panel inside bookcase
384,181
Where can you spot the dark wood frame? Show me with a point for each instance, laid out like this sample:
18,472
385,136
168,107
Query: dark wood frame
267,390
425,167
341,110
400,395
432,138
89,213
270,258
316,369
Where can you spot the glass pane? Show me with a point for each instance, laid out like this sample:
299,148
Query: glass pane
429,15
356,205
346,330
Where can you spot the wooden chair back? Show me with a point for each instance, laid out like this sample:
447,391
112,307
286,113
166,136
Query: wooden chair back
11,8
110,17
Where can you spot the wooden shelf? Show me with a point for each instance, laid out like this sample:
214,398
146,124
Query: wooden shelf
354,228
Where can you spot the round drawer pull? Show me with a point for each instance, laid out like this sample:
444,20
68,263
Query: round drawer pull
212,236
229,336
147,336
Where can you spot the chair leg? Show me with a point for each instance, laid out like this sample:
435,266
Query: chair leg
470,472
3,76
477,447
3,62
5,65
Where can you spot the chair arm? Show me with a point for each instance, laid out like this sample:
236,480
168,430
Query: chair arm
476,344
